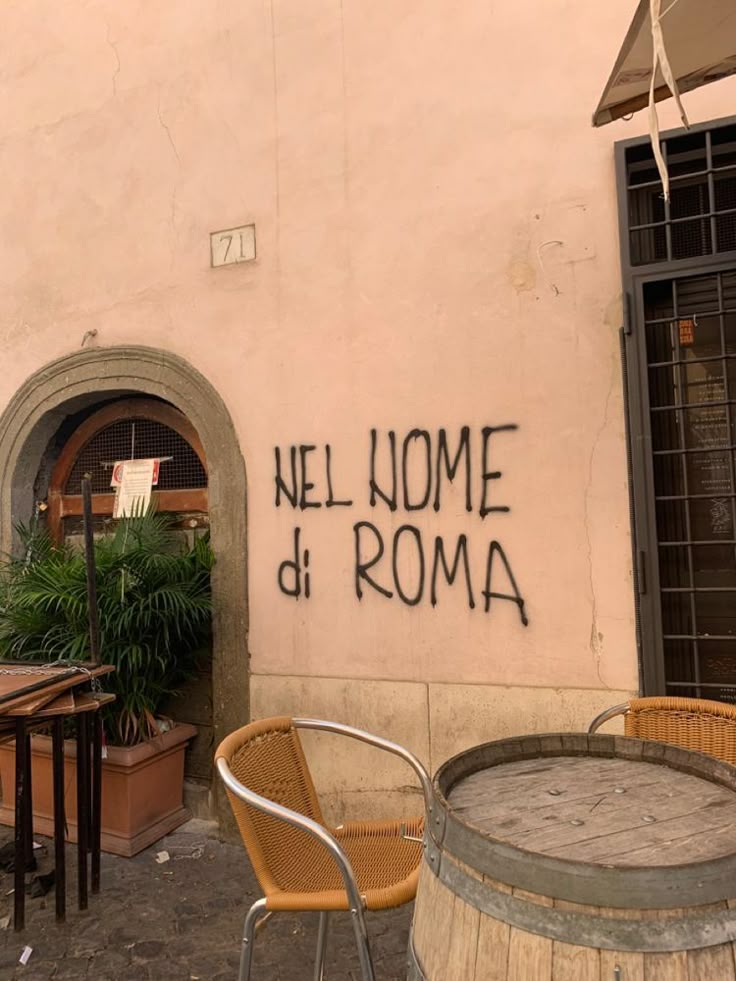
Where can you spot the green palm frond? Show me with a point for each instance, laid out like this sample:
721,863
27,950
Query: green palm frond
154,611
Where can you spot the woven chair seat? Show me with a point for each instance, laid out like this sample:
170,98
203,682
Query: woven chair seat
385,864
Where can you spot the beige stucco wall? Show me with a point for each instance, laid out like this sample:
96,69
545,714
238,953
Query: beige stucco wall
437,248
435,721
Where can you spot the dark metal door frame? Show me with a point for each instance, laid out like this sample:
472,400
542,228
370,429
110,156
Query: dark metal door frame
636,390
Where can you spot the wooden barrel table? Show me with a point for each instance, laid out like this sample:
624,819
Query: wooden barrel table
574,857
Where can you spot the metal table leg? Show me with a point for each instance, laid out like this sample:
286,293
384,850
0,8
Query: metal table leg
28,809
82,806
21,802
96,726
59,817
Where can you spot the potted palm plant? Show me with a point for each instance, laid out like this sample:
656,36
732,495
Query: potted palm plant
154,610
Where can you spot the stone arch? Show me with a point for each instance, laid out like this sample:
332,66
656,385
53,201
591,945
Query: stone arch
74,382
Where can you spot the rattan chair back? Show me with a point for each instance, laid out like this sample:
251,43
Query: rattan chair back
267,757
693,723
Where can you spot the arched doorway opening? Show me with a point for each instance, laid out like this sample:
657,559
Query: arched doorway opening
127,429
60,397
91,443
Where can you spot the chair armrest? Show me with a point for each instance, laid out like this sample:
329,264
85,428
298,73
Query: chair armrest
321,834
379,742
609,713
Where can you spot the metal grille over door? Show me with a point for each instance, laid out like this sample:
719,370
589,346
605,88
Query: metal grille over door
130,429
130,439
690,336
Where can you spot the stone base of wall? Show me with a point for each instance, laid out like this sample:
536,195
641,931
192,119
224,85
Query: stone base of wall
435,721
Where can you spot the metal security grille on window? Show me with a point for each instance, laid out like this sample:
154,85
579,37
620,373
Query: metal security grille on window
690,326
700,218
137,439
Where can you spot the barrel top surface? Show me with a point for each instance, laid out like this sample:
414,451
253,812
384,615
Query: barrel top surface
606,811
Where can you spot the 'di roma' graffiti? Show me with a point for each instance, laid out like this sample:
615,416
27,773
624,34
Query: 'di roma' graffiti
409,474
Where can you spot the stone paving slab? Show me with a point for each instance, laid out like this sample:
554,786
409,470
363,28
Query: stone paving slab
181,921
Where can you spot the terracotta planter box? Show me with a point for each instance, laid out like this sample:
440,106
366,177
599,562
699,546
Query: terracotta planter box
142,789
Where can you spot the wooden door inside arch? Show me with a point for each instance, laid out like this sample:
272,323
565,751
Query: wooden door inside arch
129,429
142,428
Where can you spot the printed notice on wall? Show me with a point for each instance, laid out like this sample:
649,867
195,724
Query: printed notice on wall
133,481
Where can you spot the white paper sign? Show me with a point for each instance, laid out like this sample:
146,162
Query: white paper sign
133,482
117,471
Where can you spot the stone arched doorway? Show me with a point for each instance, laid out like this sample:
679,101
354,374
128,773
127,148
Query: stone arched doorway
72,384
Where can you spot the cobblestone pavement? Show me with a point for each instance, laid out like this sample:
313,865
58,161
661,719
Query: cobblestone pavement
181,921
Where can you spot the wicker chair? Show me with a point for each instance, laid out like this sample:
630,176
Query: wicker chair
693,723
300,863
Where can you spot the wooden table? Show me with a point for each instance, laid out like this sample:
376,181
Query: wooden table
32,698
572,855
603,811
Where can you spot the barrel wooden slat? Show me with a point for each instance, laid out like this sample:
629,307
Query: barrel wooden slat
601,826
492,957
630,962
529,956
573,963
714,836
711,963
431,932
666,967
463,947
422,911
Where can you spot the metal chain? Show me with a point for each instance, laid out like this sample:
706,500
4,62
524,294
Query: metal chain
45,668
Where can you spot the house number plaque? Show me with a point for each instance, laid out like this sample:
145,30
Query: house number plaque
233,245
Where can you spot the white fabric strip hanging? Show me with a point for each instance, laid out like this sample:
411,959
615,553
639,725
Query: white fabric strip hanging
661,60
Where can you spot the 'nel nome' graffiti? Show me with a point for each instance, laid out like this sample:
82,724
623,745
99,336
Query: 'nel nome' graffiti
412,474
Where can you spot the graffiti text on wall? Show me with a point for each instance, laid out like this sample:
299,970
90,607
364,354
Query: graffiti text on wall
410,474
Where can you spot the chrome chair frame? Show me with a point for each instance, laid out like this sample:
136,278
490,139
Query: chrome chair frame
258,915
609,713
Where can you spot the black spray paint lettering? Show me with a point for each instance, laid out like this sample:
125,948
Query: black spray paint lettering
451,573
451,468
291,494
488,431
515,596
419,471
414,532
411,439
361,567
363,564
389,499
424,466
301,477
290,572
331,502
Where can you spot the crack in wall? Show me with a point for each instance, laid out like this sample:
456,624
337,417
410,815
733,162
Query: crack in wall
430,748
165,127
596,638
115,74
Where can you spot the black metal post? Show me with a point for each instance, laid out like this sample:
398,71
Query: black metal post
19,877
59,817
28,809
82,806
96,797
89,555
